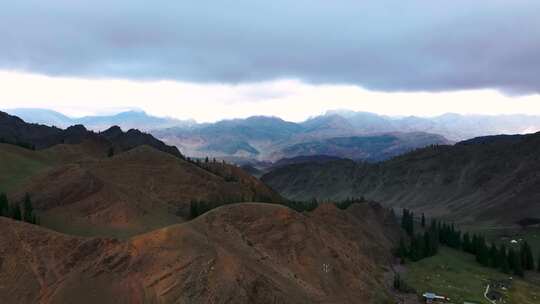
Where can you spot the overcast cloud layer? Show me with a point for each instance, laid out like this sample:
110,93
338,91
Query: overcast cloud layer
382,45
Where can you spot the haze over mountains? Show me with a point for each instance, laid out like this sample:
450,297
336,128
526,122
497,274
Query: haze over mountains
126,120
347,134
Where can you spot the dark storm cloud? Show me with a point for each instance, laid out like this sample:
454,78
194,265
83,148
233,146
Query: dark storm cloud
385,45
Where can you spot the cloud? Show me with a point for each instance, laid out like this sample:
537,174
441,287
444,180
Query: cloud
386,45
292,100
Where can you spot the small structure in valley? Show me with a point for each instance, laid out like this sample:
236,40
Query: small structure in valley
431,297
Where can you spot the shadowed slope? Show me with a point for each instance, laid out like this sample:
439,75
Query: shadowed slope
15,131
485,179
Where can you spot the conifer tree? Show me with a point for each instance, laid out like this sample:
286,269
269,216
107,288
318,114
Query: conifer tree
4,205
428,247
503,260
482,252
511,258
493,256
538,263
423,220
402,251
527,259
28,209
398,282
407,222
518,268
16,212
501,255
110,152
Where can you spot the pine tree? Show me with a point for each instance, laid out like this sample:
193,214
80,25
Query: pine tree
411,223
423,220
402,251
482,252
527,259
493,256
110,153
518,268
4,205
511,258
465,242
501,255
428,248
28,209
193,210
16,212
397,282
503,260
538,263
407,222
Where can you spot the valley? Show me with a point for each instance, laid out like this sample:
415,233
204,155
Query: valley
123,217
269,152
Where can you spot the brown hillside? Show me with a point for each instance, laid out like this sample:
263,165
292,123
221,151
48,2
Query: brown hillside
242,253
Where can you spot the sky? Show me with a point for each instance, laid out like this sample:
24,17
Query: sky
210,60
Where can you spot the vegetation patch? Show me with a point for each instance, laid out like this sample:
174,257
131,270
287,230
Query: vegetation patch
456,275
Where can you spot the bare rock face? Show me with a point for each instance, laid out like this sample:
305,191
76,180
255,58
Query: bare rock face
243,253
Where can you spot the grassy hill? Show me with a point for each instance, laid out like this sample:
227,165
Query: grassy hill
112,183
17,164
77,189
457,275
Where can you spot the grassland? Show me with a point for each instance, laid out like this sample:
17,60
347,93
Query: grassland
155,219
458,276
18,164
504,235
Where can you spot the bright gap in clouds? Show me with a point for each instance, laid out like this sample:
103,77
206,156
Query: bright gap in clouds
289,99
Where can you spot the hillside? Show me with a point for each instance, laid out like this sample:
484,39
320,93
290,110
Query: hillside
77,192
244,253
490,179
79,187
368,148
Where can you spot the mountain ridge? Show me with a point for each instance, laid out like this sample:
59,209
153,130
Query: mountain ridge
243,253
486,179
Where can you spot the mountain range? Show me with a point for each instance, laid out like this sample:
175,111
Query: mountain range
491,179
126,120
346,134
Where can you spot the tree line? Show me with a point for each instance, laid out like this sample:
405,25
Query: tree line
215,167
15,212
19,143
199,207
426,244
